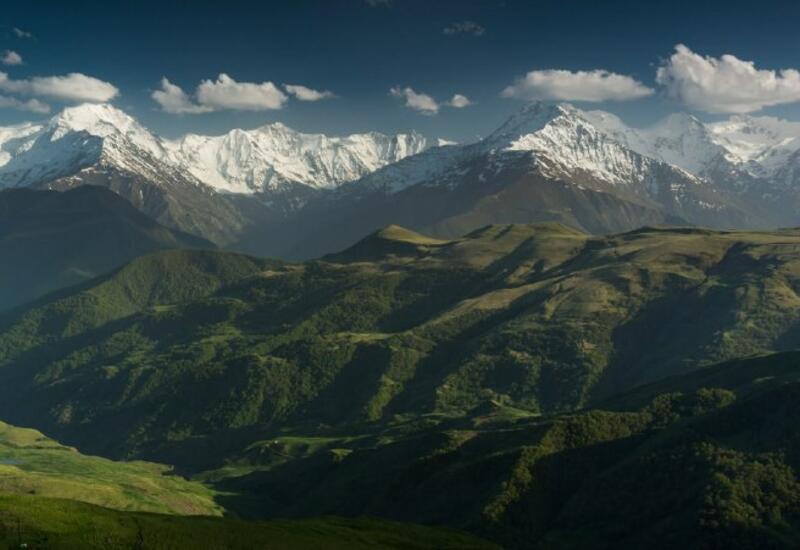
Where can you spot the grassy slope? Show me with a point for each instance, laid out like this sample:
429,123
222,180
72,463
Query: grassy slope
50,523
189,357
445,382
31,463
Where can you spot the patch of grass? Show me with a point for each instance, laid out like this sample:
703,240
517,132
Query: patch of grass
31,463
49,523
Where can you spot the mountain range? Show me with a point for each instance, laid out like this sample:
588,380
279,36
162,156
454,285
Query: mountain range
211,186
50,240
275,191
181,346
532,384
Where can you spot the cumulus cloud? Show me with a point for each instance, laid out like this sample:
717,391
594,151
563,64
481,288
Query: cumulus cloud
597,85
32,105
422,103
464,27
19,33
73,87
425,104
307,94
726,84
174,100
226,93
11,58
459,101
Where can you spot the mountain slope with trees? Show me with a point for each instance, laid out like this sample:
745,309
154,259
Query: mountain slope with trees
187,356
51,240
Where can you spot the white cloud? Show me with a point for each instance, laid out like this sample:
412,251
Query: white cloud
11,58
73,87
22,34
422,103
307,94
726,84
425,104
33,105
464,27
597,85
174,100
226,93
13,86
459,101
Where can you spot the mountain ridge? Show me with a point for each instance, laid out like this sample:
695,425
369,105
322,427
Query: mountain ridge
51,240
257,190
518,382
541,318
243,161
262,159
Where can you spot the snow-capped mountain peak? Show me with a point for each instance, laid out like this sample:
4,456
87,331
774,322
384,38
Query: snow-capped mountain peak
97,119
679,139
273,156
676,124
77,138
765,144
124,142
528,120
557,140
562,139
682,140
241,161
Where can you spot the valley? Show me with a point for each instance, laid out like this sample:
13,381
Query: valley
399,274
454,382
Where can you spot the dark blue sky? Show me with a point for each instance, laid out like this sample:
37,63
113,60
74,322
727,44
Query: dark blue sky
360,51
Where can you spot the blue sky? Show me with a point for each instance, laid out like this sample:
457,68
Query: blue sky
359,50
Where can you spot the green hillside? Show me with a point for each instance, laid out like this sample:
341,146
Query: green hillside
32,464
695,467
48,523
531,384
187,357
51,496
51,240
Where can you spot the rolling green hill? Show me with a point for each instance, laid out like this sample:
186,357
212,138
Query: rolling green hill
51,496
187,357
532,384
709,463
50,240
